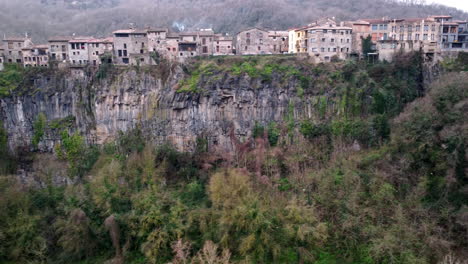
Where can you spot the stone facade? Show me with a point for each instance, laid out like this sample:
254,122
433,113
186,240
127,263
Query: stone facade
328,40
36,56
131,47
78,51
13,49
58,48
223,45
99,50
253,41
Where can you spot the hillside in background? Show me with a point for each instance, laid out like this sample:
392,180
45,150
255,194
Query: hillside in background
44,18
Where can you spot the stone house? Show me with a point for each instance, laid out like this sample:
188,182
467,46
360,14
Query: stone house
223,45
418,34
326,40
361,30
253,41
36,56
158,41
172,45
13,48
58,48
278,41
131,47
99,50
78,51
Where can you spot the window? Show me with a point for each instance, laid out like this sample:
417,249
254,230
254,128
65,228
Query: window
425,37
416,37
274,47
322,49
402,28
410,28
409,37
374,27
432,37
205,49
325,31
217,48
402,36
142,59
334,49
125,46
347,40
245,47
125,53
433,28
332,40
261,41
418,28
259,48
426,27
203,41
141,51
125,60
260,35
248,42
323,39
341,40
10,45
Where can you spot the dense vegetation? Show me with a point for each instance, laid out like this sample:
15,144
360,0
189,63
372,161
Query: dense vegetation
45,18
378,176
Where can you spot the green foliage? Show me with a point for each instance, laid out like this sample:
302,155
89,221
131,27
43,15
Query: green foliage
73,149
273,134
7,162
10,78
367,45
258,130
38,128
311,130
458,64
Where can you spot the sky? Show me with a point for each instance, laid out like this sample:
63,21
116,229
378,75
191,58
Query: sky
460,4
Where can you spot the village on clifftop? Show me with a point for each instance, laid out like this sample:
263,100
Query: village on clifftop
323,40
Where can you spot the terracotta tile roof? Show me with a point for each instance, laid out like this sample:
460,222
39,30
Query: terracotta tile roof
130,31
60,39
15,39
101,40
158,30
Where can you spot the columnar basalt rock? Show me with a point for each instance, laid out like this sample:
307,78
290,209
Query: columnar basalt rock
99,109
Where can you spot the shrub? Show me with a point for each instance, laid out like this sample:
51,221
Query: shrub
38,128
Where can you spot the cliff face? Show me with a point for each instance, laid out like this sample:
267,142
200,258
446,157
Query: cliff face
100,108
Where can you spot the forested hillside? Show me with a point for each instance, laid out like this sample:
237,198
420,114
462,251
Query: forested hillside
43,18
376,174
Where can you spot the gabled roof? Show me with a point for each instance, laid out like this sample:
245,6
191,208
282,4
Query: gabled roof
60,39
158,30
101,40
374,21
249,29
16,39
80,39
130,31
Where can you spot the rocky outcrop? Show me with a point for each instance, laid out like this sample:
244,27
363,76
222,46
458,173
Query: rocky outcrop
130,98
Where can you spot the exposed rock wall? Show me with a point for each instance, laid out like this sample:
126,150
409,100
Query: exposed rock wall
100,108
